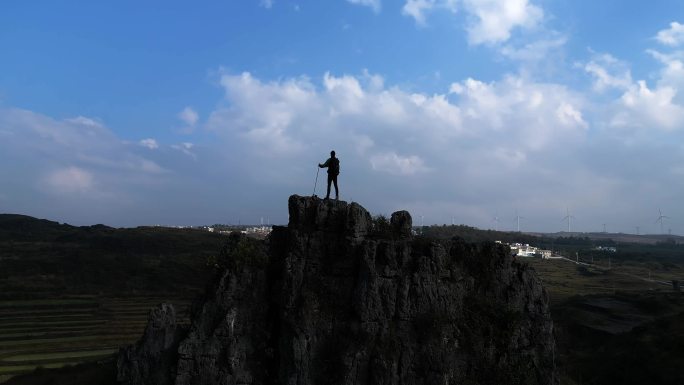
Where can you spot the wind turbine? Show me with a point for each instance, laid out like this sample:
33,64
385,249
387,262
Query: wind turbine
660,219
517,219
496,220
568,217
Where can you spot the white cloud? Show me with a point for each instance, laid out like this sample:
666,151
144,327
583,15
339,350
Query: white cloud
70,180
92,170
398,165
672,73
531,115
263,113
493,20
647,108
481,134
570,116
268,4
185,149
609,72
490,22
672,36
641,108
536,50
482,145
82,120
417,9
189,116
374,4
149,143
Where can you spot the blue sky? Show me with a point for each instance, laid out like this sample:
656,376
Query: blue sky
130,113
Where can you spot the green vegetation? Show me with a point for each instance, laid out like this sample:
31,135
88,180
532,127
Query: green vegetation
380,227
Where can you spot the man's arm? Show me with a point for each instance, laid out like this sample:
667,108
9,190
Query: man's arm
324,165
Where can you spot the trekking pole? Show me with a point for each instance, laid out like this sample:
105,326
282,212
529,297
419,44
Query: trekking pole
316,182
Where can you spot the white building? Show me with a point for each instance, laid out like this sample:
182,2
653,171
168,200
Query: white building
523,250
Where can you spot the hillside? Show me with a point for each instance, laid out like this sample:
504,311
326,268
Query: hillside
42,258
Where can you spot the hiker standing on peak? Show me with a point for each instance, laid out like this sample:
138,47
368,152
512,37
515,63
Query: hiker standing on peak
333,165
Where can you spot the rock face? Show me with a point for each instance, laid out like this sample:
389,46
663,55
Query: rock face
337,298
139,364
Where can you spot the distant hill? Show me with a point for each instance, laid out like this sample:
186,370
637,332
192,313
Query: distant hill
650,239
42,257
22,227
629,246
474,234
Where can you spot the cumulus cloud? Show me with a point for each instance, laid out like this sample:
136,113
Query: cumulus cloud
672,72
473,139
641,107
649,108
373,4
291,109
479,147
488,21
473,148
531,115
493,20
149,143
672,36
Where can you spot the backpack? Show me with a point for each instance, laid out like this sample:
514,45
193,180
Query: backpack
334,166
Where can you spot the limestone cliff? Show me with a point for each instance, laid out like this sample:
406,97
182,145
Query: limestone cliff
337,298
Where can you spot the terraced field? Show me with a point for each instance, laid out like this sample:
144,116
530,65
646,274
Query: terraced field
52,333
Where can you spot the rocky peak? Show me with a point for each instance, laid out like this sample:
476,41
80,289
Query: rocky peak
311,214
331,300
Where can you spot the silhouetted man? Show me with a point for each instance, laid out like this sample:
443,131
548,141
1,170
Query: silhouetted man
333,165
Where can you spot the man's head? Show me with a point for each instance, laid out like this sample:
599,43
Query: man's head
332,153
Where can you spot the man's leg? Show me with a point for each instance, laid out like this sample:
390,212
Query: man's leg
337,192
330,179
